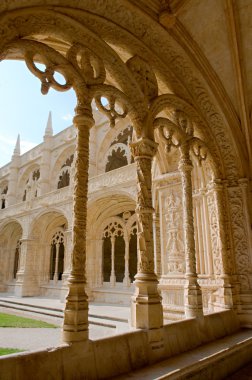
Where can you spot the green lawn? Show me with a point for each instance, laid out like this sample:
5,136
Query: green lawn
7,320
7,351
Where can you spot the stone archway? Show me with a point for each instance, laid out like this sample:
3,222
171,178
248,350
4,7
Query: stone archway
139,98
10,255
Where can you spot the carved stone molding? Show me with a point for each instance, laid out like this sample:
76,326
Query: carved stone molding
174,245
240,237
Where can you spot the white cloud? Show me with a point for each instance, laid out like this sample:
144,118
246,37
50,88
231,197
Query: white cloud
67,117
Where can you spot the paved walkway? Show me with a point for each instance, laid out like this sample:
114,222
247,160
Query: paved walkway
37,338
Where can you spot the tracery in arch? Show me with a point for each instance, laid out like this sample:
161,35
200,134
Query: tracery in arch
113,253
65,173
32,186
120,249
119,154
10,251
57,256
3,196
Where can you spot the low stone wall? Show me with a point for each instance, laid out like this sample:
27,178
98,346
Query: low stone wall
105,358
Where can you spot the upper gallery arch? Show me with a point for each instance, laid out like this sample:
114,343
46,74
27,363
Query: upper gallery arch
135,34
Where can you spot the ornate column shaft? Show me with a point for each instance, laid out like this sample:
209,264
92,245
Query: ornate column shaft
112,276
67,254
192,291
75,327
126,280
55,277
146,307
157,248
225,292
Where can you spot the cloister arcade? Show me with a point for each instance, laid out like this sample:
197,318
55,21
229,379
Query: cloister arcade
169,233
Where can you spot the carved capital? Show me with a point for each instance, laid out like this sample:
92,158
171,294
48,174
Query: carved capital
143,148
216,185
185,162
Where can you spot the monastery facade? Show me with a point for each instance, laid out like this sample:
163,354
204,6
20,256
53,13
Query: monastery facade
36,221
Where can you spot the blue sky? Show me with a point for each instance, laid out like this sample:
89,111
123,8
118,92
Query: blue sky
25,110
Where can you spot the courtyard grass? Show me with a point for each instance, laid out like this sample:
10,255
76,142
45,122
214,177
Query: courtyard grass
7,351
8,320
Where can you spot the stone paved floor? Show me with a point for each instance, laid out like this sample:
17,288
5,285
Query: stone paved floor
37,338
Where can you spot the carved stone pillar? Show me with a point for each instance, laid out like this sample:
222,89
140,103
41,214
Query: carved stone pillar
126,280
112,275
27,281
75,326
146,307
55,277
224,295
157,247
67,254
192,291
241,234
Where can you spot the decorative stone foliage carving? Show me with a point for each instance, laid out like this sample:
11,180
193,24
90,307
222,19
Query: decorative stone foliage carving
144,76
87,63
213,220
174,245
239,235
143,151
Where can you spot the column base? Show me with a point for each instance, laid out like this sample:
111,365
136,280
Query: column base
75,325
193,299
224,296
126,281
26,286
112,280
146,307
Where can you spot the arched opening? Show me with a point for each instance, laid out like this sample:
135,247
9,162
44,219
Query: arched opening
10,255
52,263
106,262
16,259
141,90
57,256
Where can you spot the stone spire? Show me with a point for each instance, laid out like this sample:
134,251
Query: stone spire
16,151
49,128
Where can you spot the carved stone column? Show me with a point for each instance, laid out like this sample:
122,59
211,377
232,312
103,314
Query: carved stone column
75,326
67,254
55,276
157,248
225,298
146,307
112,275
192,291
126,280
27,281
